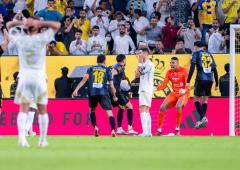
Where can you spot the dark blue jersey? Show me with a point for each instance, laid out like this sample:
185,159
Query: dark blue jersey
119,76
98,78
205,65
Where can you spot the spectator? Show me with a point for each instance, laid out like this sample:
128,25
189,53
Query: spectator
169,33
56,48
101,21
83,23
19,6
68,31
195,4
207,12
151,7
190,34
214,29
180,47
139,25
132,5
78,46
78,5
50,13
159,47
114,24
180,10
123,43
4,43
163,6
218,41
237,19
61,6
107,8
90,6
13,86
224,82
120,5
6,8
68,12
39,5
96,44
153,32
63,85
131,32
230,8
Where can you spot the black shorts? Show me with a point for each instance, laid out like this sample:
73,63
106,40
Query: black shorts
104,101
122,99
202,88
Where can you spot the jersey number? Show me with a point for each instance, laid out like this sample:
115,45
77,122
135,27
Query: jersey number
98,79
207,63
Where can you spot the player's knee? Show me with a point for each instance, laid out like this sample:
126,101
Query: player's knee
129,105
179,106
163,108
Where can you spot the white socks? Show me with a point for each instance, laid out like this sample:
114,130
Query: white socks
146,123
21,123
30,118
149,124
43,125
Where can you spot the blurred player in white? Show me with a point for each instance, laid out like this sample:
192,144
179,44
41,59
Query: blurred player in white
32,85
30,119
146,72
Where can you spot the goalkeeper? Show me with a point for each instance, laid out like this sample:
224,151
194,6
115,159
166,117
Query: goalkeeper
177,75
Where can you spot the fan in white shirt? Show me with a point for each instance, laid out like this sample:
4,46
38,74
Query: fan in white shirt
78,46
139,25
96,44
114,24
123,42
90,6
101,21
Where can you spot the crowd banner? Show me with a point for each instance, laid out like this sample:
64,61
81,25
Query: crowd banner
71,117
9,65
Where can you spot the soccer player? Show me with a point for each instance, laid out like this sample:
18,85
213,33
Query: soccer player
118,73
177,75
98,77
32,75
146,72
206,68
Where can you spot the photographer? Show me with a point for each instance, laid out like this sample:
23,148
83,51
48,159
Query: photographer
189,33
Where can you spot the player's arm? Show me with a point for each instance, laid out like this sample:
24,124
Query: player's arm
143,68
14,23
192,68
113,90
80,85
216,78
164,84
49,24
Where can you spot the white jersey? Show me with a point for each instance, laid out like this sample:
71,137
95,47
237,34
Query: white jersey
32,51
146,77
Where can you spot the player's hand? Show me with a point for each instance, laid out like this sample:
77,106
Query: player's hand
75,93
182,91
115,99
216,88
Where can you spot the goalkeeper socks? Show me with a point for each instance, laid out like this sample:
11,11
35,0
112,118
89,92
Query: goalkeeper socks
43,125
160,119
120,117
21,123
149,124
144,122
112,122
178,118
204,107
30,118
93,119
130,116
199,109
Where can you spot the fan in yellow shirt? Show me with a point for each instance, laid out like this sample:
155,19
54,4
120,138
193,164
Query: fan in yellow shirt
230,8
56,48
61,5
30,5
84,24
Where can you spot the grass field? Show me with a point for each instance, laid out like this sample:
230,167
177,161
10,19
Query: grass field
123,153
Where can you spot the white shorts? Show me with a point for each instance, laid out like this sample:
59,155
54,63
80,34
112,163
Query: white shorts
145,99
31,90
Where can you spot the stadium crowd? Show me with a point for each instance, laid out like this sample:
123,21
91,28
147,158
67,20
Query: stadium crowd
92,27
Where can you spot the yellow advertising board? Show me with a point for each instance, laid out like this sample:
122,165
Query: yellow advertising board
9,65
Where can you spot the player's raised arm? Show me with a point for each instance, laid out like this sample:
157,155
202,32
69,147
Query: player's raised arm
80,85
14,23
50,24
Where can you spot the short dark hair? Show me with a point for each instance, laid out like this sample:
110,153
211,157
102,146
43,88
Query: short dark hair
138,11
99,8
180,39
79,31
175,58
120,57
167,18
144,50
101,58
198,44
95,27
51,0
64,71
227,67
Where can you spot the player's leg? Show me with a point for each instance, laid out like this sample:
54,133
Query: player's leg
204,120
129,107
120,130
169,102
93,102
43,121
21,123
105,103
144,119
29,122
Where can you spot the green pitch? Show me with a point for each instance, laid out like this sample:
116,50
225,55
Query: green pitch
123,153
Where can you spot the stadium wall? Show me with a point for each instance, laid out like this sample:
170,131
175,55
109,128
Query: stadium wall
9,65
71,117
